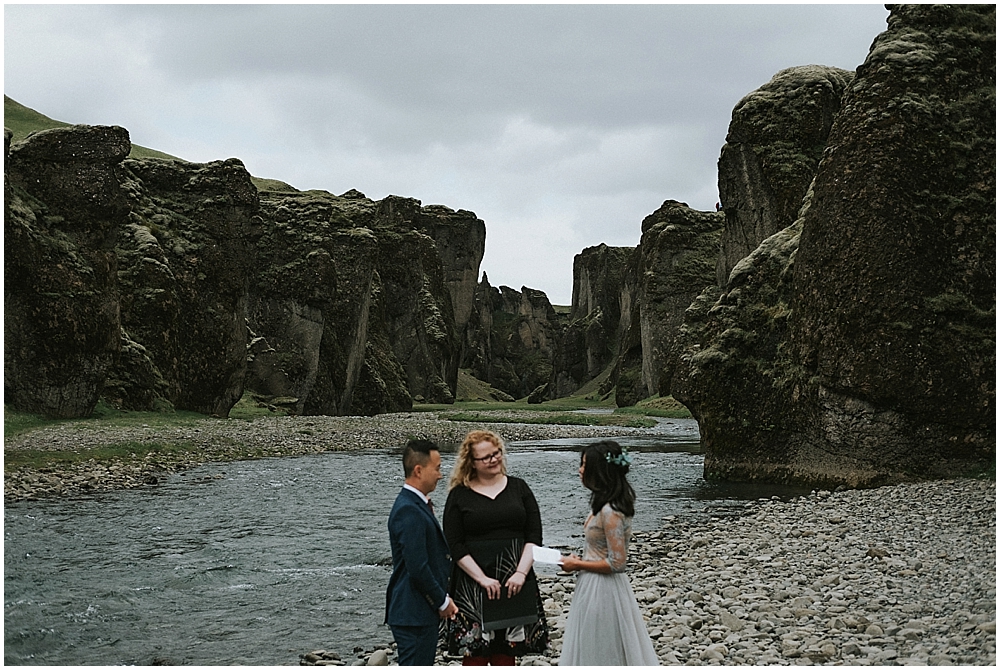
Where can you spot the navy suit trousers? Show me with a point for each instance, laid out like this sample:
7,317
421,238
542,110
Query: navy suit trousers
415,645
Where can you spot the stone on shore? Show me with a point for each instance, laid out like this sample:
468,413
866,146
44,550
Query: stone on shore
795,583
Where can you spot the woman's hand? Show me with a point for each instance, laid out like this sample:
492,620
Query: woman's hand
515,583
571,563
492,587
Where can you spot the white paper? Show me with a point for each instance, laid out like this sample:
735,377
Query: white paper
546,555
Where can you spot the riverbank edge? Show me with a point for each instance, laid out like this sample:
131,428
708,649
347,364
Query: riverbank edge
222,441
903,574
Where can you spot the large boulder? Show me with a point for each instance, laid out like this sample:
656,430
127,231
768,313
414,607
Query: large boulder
184,262
775,140
63,207
858,345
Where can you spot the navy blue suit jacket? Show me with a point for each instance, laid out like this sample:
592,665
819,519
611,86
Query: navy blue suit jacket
421,565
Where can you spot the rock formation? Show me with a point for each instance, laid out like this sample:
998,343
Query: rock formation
183,269
589,341
511,339
63,206
857,346
309,300
133,278
775,140
673,263
357,304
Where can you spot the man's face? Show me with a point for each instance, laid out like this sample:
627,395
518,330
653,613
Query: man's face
429,475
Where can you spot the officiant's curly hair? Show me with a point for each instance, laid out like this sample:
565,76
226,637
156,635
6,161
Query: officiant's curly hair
464,470
605,478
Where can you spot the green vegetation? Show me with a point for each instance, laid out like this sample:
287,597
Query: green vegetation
272,185
552,418
656,406
521,406
251,407
39,459
104,415
472,389
23,121
15,423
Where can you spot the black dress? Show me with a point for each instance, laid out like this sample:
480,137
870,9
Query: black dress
494,531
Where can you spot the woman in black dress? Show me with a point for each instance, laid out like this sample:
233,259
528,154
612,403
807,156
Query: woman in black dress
491,522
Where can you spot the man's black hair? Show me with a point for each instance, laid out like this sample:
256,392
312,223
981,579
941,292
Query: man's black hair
417,452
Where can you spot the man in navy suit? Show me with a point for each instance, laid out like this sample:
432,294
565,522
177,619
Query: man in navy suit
417,597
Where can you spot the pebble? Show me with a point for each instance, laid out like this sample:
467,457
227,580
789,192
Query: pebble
819,598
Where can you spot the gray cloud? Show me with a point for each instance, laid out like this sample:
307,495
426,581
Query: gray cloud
561,126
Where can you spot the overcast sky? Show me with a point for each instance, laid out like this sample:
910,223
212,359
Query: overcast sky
561,126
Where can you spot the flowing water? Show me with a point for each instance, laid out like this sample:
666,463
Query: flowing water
257,562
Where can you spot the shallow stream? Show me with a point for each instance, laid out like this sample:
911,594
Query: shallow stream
257,562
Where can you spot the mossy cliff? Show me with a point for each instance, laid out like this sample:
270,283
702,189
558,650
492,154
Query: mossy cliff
857,346
512,339
674,261
775,140
63,209
359,306
184,263
589,342
159,283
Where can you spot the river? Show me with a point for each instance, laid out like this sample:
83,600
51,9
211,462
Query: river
257,562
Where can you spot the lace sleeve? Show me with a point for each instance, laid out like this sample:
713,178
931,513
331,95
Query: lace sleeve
616,534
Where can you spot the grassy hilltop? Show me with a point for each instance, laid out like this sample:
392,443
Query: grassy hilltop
23,121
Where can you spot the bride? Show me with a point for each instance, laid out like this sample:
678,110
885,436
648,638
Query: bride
605,626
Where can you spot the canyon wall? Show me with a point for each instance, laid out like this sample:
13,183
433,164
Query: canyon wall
857,346
163,284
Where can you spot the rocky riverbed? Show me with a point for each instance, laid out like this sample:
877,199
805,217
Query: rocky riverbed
900,575
220,440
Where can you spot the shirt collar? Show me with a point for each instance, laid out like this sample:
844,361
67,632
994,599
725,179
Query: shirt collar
417,491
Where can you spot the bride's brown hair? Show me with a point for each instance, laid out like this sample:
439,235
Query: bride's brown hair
465,470
604,469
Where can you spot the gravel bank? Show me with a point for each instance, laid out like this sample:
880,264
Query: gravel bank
220,440
901,575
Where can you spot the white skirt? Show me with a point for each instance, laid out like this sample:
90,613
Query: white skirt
605,626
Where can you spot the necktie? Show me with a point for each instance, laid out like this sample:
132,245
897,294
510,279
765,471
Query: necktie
430,503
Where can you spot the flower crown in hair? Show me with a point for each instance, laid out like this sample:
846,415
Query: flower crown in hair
622,460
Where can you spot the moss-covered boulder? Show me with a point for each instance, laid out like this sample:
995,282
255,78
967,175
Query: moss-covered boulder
63,207
858,346
775,141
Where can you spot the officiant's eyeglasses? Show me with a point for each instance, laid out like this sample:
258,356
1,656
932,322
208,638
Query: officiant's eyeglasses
494,456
